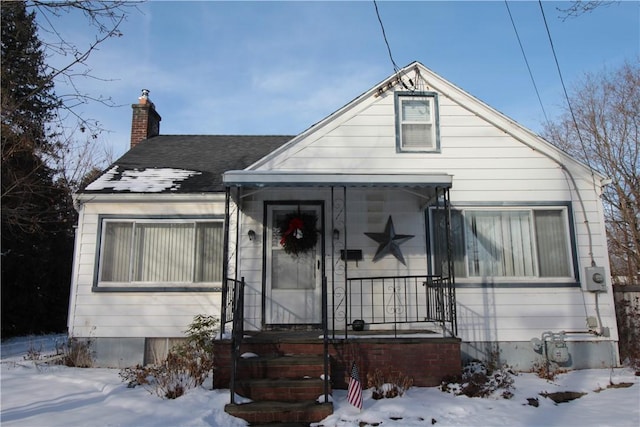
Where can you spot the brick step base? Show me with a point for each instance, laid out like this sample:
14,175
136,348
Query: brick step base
285,390
257,413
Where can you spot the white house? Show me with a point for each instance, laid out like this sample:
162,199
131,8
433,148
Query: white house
414,209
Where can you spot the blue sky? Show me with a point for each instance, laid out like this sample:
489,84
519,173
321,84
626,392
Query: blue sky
236,67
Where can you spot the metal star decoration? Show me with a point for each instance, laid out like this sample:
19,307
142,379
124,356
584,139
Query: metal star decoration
389,242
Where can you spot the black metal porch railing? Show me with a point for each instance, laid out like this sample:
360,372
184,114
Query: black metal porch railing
401,299
229,292
233,312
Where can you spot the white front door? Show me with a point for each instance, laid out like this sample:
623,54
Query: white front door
293,282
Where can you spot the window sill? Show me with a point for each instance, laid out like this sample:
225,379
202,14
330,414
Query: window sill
139,289
418,150
517,284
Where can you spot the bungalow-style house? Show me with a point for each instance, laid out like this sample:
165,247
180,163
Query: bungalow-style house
413,229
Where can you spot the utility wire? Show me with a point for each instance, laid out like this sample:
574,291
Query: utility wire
384,35
564,88
396,69
584,149
524,55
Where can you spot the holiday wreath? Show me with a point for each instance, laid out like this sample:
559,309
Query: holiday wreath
298,232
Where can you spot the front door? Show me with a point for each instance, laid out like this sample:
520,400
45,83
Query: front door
293,280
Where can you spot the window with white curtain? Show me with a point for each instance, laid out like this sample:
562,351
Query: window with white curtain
518,243
160,252
417,121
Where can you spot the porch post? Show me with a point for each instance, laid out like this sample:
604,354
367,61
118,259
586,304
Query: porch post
225,266
346,265
451,268
333,269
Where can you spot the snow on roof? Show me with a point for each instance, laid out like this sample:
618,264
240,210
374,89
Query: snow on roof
151,180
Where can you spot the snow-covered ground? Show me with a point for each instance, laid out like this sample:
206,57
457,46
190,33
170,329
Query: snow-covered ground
41,395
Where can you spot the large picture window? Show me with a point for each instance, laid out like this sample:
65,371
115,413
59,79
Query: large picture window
417,121
160,252
518,243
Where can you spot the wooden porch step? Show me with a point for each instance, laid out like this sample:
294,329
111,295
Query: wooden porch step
277,367
257,413
286,390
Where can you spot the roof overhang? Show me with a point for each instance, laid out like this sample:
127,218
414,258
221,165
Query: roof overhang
250,178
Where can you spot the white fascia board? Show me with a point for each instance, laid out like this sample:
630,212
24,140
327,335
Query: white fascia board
240,178
464,99
147,197
501,121
367,95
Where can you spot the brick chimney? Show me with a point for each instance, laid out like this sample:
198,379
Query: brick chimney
145,122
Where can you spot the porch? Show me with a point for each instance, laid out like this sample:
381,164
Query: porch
425,355
289,374
305,319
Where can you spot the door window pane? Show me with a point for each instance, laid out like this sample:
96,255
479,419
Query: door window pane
290,271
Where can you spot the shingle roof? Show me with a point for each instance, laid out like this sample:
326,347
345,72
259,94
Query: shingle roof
183,163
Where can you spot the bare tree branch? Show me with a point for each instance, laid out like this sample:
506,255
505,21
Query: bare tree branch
581,7
607,107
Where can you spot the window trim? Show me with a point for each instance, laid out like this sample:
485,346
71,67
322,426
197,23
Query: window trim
398,96
511,282
134,286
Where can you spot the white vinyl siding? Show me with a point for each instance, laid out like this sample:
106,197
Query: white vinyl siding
416,122
127,310
161,252
516,243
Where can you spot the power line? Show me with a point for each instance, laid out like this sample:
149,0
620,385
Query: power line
396,69
566,95
524,55
584,149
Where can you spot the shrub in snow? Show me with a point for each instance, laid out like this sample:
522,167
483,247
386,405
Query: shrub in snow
33,353
76,353
547,370
187,365
388,385
480,381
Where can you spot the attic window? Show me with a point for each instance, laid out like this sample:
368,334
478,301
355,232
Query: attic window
417,122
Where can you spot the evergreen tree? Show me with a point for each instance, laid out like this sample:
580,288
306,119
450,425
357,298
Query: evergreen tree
37,215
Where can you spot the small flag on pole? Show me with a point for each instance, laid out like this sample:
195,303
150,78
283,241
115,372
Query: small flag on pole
354,395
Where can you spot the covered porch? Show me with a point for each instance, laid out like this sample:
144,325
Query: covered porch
339,281
314,313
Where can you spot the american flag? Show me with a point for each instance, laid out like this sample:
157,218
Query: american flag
354,395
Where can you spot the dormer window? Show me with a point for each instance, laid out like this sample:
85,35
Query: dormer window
417,122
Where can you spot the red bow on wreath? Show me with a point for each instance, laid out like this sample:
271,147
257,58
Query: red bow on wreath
295,227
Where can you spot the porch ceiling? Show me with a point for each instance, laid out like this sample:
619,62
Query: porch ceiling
248,178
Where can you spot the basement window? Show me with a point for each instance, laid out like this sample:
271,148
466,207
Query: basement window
417,122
